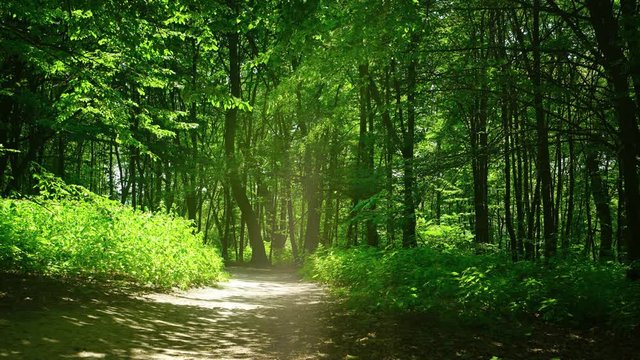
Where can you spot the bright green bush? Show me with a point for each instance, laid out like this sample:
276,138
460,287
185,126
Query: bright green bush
480,287
446,236
70,231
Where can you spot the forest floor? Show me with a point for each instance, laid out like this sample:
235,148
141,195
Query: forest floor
258,314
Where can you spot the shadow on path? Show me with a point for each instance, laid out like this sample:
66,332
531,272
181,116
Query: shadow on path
258,314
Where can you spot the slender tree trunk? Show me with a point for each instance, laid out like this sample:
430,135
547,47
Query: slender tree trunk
292,228
225,241
241,243
544,168
409,228
480,167
291,220
282,227
314,202
61,156
601,199
507,180
367,186
559,182
111,182
588,245
389,152
328,209
530,242
517,176
170,177
372,228
568,224
622,234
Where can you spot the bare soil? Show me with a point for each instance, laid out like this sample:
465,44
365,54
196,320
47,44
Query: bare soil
258,314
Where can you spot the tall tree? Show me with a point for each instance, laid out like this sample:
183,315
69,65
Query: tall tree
542,130
617,67
258,254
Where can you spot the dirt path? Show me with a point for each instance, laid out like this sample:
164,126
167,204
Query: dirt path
258,314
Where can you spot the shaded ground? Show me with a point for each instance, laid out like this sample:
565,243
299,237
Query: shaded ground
258,314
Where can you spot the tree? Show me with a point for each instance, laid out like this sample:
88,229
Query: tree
258,255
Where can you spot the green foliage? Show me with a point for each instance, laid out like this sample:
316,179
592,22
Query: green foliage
480,288
71,231
280,257
444,236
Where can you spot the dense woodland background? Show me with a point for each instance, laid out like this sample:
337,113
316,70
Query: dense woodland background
281,126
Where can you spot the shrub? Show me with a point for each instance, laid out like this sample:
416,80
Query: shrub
480,288
70,231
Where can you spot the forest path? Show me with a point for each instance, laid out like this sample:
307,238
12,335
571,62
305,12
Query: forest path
258,314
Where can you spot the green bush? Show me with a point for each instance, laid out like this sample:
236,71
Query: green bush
480,288
70,231
443,236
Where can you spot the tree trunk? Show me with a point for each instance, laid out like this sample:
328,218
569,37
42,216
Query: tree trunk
480,166
225,240
61,156
258,254
529,243
409,228
601,199
507,181
568,224
517,182
389,152
292,228
616,65
366,187
559,182
544,167
312,234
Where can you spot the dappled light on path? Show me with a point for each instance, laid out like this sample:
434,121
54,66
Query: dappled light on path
248,290
258,314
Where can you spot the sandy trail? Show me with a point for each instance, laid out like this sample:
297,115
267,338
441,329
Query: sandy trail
258,314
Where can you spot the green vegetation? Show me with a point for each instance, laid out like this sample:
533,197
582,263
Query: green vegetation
487,151
71,231
479,288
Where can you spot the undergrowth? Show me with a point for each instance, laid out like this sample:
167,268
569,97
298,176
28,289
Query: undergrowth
480,288
69,231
